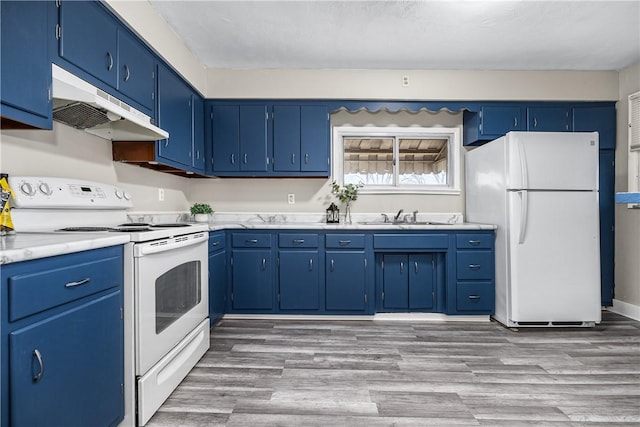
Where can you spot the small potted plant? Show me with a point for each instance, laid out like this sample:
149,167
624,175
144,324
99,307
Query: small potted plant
346,194
201,212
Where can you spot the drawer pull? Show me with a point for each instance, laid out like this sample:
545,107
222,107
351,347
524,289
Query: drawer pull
298,241
216,243
78,283
474,297
474,242
38,356
251,241
345,242
474,266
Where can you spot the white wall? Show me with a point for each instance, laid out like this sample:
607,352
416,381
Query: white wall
627,269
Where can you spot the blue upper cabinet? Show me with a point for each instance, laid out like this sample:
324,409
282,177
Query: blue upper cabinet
136,70
314,140
286,138
225,138
175,116
253,138
548,119
89,39
198,152
25,86
492,122
597,118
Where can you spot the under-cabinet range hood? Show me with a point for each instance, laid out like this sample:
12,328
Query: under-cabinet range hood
79,104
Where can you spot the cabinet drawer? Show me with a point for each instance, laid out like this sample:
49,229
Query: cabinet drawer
475,297
216,241
410,241
345,241
67,281
474,241
297,240
474,265
251,240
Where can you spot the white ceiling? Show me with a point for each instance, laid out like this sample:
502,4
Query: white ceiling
406,34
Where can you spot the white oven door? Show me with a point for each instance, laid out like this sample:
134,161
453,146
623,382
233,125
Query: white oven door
171,294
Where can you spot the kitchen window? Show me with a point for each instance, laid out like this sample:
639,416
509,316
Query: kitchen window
398,159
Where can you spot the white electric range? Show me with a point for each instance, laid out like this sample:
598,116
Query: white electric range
165,280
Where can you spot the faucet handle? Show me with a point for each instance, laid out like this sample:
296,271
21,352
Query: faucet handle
385,217
415,216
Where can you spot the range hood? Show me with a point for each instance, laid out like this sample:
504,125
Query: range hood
79,104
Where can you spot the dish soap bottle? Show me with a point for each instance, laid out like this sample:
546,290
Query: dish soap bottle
6,225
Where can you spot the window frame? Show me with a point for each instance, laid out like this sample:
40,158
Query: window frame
452,134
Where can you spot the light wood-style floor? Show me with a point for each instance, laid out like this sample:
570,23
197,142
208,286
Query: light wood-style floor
371,373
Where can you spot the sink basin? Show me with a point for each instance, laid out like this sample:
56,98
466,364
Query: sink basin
381,222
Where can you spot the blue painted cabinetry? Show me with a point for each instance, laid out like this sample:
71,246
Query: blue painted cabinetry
25,86
548,119
252,279
347,284
136,70
217,276
299,272
492,122
62,353
408,282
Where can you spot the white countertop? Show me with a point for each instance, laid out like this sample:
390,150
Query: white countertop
219,225
27,246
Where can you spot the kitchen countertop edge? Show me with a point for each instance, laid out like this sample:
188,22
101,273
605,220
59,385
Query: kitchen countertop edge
349,227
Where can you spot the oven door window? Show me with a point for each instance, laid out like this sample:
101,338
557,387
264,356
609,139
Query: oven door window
177,292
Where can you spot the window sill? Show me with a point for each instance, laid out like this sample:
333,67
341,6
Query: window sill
444,191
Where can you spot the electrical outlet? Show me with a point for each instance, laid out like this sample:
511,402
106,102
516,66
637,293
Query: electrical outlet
291,198
161,194
405,81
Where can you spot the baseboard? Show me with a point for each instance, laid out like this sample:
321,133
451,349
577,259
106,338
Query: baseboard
401,317
626,309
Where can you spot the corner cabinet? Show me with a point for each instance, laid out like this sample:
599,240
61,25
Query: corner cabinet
217,276
267,140
25,86
62,353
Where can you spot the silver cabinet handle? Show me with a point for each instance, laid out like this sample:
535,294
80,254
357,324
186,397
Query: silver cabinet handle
515,122
474,242
245,158
331,265
298,241
306,158
197,154
264,264
415,266
474,266
293,158
109,61
344,242
216,243
535,122
127,73
402,268
248,241
474,296
78,283
233,159
310,264
38,356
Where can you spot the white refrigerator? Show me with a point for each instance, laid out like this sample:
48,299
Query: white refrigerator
541,190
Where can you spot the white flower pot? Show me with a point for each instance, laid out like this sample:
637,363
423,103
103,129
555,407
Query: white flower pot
202,217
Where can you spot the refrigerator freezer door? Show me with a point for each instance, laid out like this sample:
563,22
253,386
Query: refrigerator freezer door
552,160
553,256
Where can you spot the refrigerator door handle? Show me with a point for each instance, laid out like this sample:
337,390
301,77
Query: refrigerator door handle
524,213
524,172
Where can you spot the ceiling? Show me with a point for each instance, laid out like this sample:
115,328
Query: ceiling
406,34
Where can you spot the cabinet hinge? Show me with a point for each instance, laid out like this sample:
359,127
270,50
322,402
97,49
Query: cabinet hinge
278,296
433,263
231,296
153,95
58,31
122,389
231,260
278,263
382,264
49,94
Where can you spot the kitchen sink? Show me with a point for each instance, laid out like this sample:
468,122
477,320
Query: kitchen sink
381,222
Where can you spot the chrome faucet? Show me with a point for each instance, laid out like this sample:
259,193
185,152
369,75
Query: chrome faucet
415,216
385,217
395,218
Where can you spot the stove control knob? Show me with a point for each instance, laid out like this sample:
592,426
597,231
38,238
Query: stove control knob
126,196
118,194
45,189
27,189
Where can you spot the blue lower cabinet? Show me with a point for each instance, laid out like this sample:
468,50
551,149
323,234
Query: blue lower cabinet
408,282
299,279
217,285
62,369
252,284
476,297
346,281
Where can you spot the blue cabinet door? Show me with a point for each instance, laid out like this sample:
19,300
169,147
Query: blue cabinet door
601,119
136,71
286,138
548,119
198,153
500,120
217,285
253,138
299,278
174,116
345,274
422,281
89,39
314,139
607,233
67,370
395,282
26,65
252,283
225,138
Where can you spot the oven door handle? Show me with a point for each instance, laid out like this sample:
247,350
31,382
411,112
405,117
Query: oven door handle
164,245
